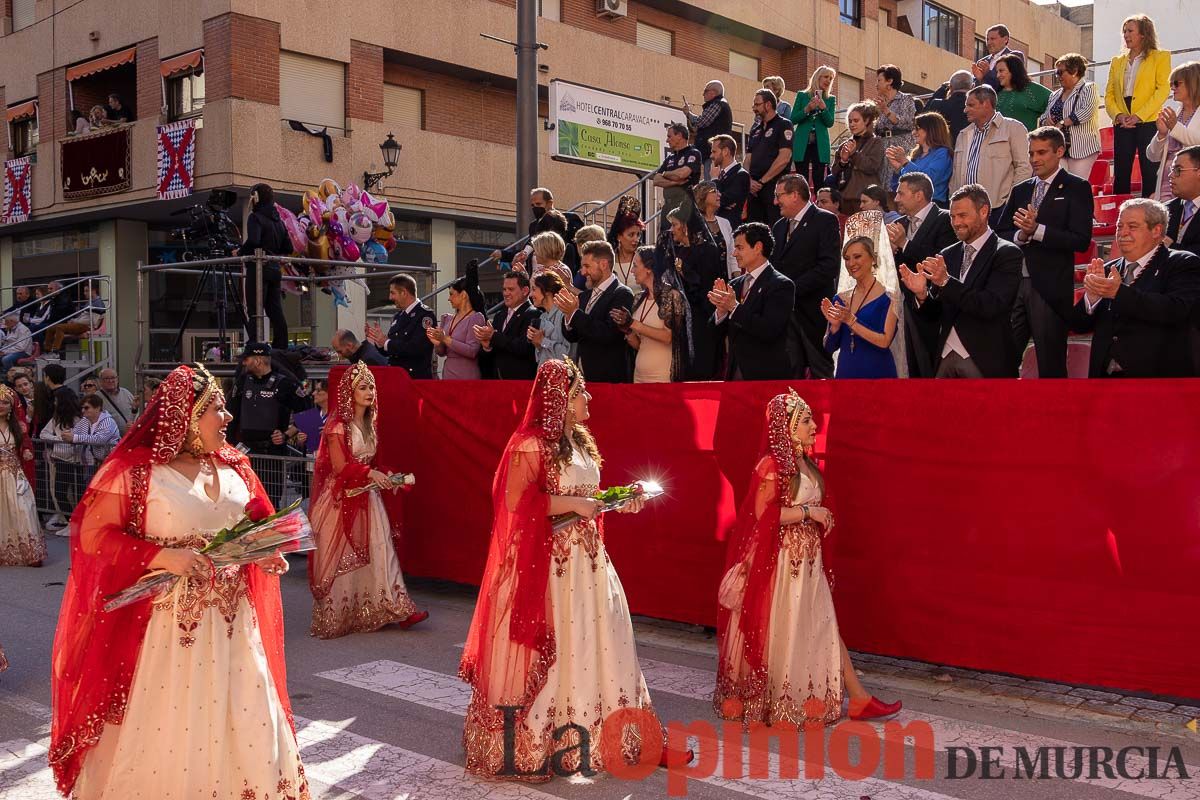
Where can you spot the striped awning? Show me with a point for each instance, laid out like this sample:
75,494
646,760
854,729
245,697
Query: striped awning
22,111
102,63
182,63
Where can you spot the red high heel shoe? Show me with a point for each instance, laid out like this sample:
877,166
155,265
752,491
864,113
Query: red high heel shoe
412,619
874,709
674,758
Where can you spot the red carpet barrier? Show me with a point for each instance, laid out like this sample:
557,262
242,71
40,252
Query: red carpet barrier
1042,528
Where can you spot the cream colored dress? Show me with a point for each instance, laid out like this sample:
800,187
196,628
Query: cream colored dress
21,541
804,655
596,669
204,718
653,363
373,595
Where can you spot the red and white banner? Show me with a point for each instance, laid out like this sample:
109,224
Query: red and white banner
18,190
176,159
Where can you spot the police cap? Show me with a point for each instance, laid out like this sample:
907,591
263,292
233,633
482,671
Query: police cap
256,349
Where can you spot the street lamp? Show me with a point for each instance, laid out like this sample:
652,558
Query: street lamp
390,149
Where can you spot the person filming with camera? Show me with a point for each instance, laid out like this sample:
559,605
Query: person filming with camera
265,231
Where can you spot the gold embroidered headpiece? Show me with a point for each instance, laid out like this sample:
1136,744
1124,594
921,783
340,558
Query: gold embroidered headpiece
795,407
7,394
205,389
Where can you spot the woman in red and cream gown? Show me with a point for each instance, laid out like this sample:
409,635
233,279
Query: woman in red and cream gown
781,657
183,695
21,541
551,633
355,573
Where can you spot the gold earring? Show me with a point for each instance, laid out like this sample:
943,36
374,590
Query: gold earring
195,446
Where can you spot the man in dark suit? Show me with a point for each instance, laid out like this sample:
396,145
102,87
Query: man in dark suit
756,309
507,352
1183,226
950,100
1049,216
969,289
923,231
997,44
346,345
405,343
732,180
1138,306
807,250
587,319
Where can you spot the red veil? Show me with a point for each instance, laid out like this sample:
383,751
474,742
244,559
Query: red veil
17,420
347,547
510,646
753,553
95,652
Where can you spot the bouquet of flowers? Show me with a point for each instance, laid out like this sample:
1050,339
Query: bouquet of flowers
258,535
612,498
399,480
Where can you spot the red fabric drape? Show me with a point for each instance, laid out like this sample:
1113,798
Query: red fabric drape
988,538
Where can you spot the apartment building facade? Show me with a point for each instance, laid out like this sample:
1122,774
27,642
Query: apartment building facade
418,70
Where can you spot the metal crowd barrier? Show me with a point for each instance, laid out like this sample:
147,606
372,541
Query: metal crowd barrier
62,475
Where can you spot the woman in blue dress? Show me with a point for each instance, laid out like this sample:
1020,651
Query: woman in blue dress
865,317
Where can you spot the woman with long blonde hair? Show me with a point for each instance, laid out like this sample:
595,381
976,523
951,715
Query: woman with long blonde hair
1138,85
812,117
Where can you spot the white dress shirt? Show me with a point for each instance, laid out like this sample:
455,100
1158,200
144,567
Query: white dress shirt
1141,265
599,290
953,343
916,221
1131,71
755,274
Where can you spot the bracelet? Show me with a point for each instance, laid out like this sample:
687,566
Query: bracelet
804,508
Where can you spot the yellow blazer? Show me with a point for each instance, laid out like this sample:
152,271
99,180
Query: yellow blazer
1150,87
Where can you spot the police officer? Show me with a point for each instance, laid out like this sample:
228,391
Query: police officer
406,344
680,170
768,155
262,406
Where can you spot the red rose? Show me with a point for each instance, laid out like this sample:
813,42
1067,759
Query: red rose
258,509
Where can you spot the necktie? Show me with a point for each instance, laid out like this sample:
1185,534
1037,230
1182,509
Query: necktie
1189,211
968,258
746,287
791,228
1128,271
1039,194
914,223
592,300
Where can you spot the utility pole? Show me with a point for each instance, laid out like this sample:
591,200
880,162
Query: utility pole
527,99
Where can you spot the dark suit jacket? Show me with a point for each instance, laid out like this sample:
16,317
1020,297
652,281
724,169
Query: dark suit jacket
758,327
953,109
407,345
981,308
811,260
1191,237
1145,327
603,355
734,186
1066,212
512,357
369,354
921,332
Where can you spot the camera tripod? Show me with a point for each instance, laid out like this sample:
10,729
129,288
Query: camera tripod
223,289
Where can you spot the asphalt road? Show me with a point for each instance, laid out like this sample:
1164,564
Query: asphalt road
379,715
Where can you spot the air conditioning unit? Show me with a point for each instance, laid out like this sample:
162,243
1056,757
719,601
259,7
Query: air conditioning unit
612,8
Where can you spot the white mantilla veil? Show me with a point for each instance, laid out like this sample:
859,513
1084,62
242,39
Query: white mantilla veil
870,224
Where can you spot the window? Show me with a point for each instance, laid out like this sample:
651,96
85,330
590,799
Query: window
851,12
743,66
1032,65
24,136
847,90
660,40
550,9
403,108
185,95
981,50
24,13
886,13
312,90
941,27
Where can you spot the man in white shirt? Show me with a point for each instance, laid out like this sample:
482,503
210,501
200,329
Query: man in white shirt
968,290
16,342
1138,306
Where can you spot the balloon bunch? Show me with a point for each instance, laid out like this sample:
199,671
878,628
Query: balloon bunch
340,225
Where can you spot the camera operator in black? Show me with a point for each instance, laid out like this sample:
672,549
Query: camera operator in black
262,405
265,230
